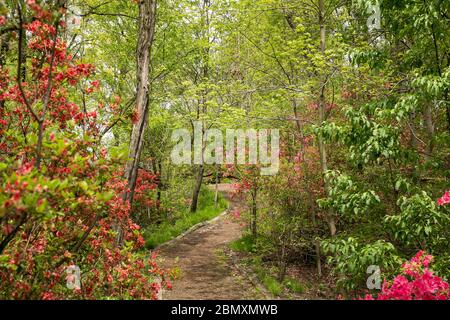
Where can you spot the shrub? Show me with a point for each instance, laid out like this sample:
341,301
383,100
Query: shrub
415,282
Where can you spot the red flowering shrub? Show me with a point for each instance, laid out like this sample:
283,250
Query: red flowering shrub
145,182
444,199
63,210
416,282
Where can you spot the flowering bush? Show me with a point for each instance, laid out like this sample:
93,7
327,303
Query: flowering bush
422,224
444,199
416,282
61,191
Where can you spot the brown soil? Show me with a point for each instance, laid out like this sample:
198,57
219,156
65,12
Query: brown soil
206,270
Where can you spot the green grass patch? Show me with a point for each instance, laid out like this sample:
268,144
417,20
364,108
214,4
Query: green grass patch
294,285
156,235
271,284
274,286
248,244
244,244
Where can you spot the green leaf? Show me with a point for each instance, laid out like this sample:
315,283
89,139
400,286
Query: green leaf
84,186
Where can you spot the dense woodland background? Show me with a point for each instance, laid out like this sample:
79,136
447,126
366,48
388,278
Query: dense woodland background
91,90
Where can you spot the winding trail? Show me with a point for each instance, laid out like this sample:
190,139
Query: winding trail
206,270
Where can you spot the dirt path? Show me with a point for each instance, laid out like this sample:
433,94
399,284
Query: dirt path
206,271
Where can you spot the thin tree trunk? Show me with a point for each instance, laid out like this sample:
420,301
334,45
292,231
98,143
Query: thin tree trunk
12,234
316,242
21,71
198,186
307,185
254,213
322,148
158,193
282,265
447,109
201,167
23,50
216,191
205,67
147,17
428,117
413,142
4,49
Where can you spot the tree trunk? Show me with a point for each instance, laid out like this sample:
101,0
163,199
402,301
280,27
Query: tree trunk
202,103
158,192
282,265
198,186
23,52
307,185
12,234
447,109
322,149
254,213
216,191
413,142
147,17
428,117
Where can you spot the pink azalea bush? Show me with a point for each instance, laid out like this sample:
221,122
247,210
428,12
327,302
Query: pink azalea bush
444,199
416,282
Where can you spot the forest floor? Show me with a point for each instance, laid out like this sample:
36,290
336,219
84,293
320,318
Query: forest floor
206,270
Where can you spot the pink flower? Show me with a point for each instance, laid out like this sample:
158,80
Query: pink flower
48,296
416,282
2,20
444,199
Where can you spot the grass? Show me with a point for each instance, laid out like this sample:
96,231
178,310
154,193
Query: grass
156,235
244,244
271,284
294,285
247,244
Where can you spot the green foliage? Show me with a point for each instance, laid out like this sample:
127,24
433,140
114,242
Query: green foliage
346,198
421,223
351,258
